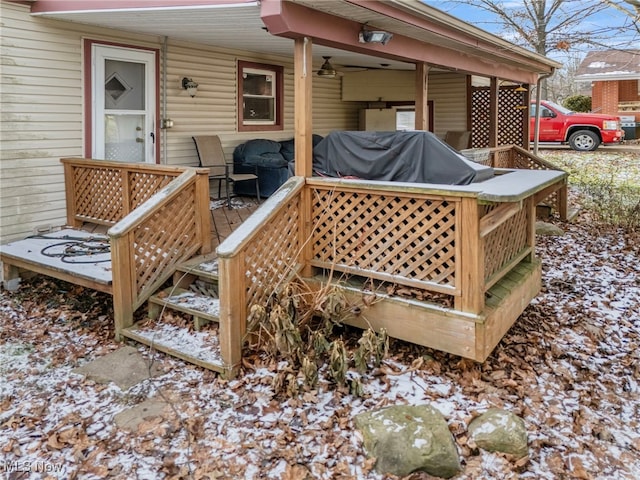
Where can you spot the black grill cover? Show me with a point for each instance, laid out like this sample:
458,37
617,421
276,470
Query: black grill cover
415,156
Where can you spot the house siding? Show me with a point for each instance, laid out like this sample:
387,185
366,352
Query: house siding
42,109
449,94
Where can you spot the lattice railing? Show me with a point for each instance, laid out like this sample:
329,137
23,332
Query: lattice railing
104,192
272,255
161,218
257,259
400,237
165,238
513,156
507,243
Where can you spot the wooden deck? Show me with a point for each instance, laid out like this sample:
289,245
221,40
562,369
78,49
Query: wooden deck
225,220
44,253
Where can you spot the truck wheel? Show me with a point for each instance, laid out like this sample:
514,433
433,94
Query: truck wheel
584,141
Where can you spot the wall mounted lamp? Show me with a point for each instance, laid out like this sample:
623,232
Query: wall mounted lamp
190,86
374,36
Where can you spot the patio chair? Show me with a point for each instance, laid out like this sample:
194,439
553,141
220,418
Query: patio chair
459,140
211,156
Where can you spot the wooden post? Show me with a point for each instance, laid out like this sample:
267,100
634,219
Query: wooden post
122,264
203,211
530,205
422,105
494,92
470,249
233,311
303,72
563,201
70,195
526,112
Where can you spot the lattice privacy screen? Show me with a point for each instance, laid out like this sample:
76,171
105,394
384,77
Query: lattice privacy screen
510,118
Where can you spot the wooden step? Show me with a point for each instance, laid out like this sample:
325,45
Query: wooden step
201,307
203,267
199,348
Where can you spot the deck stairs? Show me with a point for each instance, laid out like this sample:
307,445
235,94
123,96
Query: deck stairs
194,293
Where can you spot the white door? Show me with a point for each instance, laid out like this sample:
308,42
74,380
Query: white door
123,104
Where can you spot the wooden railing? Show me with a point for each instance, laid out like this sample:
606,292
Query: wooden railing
160,217
104,192
513,156
256,259
441,240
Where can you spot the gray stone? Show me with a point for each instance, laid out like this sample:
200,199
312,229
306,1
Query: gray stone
548,229
125,367
131,418
498,430
406,439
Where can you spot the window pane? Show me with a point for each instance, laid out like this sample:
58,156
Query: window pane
257,84
124,85
259,109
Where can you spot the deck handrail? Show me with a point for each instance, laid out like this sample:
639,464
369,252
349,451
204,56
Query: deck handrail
159,217
163,232
103,192
514,156
255,260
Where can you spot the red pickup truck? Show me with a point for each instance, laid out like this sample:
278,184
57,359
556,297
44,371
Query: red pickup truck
582,131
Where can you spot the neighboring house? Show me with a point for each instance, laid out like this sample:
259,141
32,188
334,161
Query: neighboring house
107,80
615,82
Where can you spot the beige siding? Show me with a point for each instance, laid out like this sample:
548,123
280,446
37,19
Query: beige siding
449,94
41,99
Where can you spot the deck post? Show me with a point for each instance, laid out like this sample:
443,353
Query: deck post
303,73
123,282
233,311
70,195
422,105
530,205
471,262
563,201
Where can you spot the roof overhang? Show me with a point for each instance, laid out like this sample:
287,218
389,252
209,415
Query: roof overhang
422,34
608,77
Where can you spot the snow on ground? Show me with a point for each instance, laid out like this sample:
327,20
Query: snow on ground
570,367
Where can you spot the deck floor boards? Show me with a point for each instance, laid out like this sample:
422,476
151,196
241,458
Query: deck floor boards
26,254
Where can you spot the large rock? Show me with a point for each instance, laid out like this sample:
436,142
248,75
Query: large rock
497,430
548,229
407,439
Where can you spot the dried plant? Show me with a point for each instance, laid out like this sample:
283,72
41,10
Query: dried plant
338,363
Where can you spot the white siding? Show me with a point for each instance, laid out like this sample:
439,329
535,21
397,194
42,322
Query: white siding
41,100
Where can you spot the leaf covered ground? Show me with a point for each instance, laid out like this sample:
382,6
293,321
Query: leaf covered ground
570,366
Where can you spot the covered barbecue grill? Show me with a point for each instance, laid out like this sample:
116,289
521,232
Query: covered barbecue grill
415,156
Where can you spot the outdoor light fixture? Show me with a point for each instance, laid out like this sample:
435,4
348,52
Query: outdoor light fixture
521,90
190,86
327,70
375,36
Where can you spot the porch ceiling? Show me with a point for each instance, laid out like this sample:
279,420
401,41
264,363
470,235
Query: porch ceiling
234,25
237,24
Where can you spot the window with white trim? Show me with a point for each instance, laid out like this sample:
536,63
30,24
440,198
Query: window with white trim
259,96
